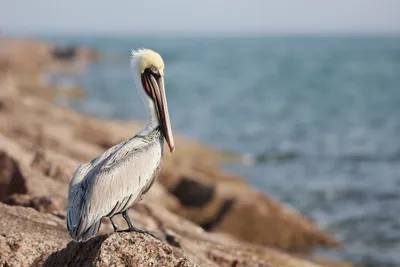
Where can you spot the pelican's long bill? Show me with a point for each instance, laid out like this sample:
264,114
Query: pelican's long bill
153,83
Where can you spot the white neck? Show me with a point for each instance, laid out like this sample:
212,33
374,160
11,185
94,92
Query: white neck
152,121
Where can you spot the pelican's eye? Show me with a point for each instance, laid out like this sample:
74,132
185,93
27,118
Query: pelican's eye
155,72
150,80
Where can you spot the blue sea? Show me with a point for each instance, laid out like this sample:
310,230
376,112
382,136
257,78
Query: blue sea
316,120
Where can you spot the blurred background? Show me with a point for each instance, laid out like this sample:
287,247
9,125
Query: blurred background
305,94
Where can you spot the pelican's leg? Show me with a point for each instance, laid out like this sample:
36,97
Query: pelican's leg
113,224
132,228
127,219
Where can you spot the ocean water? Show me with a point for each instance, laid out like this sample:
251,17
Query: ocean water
317,120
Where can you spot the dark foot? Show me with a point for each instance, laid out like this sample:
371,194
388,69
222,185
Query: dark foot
138,230
114,225
132,228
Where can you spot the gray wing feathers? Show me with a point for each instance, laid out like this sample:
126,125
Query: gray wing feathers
106,186
75,197
76,218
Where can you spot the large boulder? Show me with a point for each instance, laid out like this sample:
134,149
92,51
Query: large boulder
31,238
119,249
222,203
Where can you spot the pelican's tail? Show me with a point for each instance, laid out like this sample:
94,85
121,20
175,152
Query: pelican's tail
80,232
89,233
80,225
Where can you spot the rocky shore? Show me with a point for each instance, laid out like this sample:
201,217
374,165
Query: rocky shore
201,215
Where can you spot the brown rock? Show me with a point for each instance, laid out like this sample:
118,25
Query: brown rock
36,182
55,168
274,225
231,206
208,249
192,193
11,179
122,249
42,204
30,238
26,235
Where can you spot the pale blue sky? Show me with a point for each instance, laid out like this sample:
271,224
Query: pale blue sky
184,16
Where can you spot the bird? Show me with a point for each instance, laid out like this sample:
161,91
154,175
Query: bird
117,179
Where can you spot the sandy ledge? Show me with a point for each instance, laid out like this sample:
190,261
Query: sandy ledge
202,215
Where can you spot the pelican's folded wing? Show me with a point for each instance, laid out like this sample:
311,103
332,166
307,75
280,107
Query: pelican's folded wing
105,186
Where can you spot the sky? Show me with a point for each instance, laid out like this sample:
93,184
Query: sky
201,16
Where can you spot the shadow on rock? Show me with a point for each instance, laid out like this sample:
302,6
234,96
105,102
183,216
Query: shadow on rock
192,193
77,254
11,178
223,210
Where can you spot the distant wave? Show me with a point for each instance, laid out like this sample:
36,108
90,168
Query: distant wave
278,156
249,159
371,158
281,157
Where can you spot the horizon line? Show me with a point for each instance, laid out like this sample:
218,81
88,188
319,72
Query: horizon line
200,33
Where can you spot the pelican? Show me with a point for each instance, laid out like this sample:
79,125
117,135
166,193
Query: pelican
111,183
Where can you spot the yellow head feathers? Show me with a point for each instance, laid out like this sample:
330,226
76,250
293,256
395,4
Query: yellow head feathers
147,58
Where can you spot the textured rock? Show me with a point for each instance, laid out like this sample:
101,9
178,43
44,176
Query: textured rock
30,238
119,249
277,226
188,242
11,179
41,204
37,184
232,206
27,235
